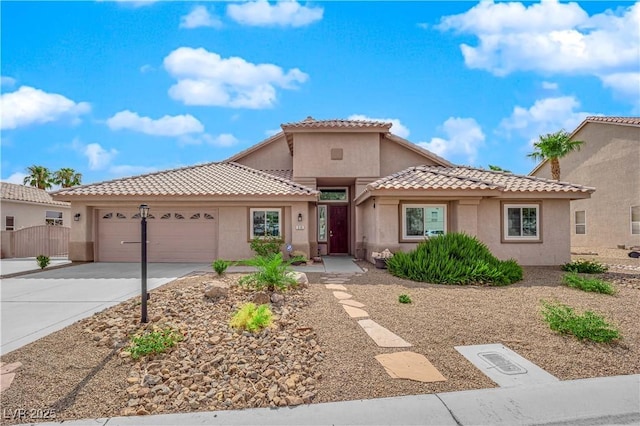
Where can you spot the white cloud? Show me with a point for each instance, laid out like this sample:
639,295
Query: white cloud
397,128
165,126
146,68
33,106
551,38
6,81
200,17
549,85
463,138
221,140
544,116
17,178
284,13
99,158
205,78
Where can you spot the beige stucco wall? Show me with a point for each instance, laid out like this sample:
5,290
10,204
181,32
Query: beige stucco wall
312,155
30,214
609,160
394,158
272,156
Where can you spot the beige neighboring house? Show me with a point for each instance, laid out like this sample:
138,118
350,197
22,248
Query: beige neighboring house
334,187
609,160
25,207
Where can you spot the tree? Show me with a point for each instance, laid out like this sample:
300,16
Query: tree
67,177
39,176
498,169
552,147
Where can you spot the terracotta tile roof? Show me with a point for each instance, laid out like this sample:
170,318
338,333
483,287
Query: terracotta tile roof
225,178
634,121
14,192
312,123
435,177
284,174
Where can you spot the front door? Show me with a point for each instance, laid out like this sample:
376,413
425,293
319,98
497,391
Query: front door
338,229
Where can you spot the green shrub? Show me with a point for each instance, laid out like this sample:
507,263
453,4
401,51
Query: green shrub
266,247
404,298
251,318
272,274
454,259
154,342
584,266
220,266
589,326
587,284
43,261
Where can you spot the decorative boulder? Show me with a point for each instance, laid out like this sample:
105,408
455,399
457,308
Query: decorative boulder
260,298
216,290
300,277
277,299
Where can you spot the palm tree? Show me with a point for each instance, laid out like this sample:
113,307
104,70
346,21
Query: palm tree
498,169
67,177
552,147
38,176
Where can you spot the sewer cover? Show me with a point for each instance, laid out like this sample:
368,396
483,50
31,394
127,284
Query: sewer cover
501,363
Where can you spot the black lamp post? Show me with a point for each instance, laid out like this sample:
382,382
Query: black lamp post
144,213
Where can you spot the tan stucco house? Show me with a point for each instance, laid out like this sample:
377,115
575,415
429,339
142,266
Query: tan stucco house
326,187
609,160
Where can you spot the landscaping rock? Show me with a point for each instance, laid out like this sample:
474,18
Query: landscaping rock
300,277
216,290
260,298
277,299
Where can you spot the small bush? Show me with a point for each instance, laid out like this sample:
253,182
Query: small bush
583,266
251,318
404,298
454,259
154,342
272,274
43,261
220,266
587,284
589,326
266,247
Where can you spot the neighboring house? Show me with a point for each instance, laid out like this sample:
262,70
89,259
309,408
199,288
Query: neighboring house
325,187
609,160
25,212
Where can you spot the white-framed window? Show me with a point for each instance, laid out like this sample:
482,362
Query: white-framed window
635,220
53,218
423,220
9,223
265,222
581,222
521,222
334,195
322,224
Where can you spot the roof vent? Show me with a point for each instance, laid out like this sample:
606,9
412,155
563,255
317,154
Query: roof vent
309,118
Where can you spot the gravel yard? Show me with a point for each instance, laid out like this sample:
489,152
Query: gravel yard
315,352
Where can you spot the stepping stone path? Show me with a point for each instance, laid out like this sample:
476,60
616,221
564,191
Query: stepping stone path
401,365
7,374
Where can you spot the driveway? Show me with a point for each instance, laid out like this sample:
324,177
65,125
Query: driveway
38,304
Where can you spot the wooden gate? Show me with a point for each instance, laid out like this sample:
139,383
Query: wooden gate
44,239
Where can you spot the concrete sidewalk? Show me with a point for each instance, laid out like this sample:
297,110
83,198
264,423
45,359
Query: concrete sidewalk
24,265
597,401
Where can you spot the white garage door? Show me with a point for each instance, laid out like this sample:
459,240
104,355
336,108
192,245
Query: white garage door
173,235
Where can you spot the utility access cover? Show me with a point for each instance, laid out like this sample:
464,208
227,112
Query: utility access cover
504,366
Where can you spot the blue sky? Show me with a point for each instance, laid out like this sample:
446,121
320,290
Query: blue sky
115,89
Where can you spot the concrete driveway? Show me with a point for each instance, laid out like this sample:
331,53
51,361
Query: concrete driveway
38,304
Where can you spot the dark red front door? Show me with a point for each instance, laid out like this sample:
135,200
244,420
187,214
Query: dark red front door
338,230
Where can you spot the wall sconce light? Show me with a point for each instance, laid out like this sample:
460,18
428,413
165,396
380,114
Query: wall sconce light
76,217
299,217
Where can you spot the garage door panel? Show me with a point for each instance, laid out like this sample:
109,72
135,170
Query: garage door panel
175,235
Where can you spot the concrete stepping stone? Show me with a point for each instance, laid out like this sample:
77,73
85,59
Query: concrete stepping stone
350,302
341,295
410,365
383,337
335,287
6,380
9,368
504,366
355,312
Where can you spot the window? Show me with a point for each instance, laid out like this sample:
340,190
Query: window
521,222
265,223
53,218
635,220
322,223
423,220
9,223
333,194
581,222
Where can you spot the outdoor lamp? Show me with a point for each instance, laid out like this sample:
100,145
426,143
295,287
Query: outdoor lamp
299,217
76,217
144,211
